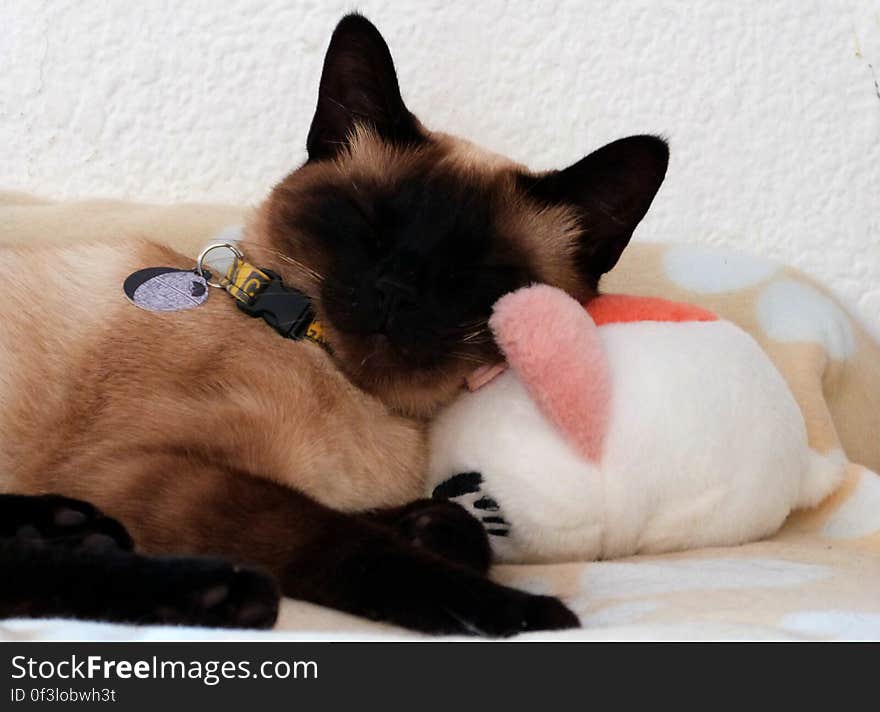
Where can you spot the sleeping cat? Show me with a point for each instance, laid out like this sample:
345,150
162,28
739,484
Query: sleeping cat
206,444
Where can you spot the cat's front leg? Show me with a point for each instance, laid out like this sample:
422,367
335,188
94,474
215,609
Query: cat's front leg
349,562
373,572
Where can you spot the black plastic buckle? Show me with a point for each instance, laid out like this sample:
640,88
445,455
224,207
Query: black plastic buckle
285,309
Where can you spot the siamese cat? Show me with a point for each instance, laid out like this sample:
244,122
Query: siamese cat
189,466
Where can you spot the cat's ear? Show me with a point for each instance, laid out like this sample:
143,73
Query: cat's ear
358,86
611,190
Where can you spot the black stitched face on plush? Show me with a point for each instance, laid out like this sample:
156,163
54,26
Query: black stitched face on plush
404,238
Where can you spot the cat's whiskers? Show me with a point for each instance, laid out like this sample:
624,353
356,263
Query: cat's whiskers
370,355
461,356
476,337
287,259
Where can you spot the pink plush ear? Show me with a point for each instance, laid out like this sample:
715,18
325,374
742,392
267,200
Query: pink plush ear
554,346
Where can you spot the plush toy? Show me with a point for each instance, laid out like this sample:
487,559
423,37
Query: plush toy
631,425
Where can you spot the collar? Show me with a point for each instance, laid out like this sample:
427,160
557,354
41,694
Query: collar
260,292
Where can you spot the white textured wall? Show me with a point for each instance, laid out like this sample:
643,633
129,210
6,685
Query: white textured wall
772,108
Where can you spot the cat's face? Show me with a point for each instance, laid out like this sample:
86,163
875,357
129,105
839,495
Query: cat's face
404,238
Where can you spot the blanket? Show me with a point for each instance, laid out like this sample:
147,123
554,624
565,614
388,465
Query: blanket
817,579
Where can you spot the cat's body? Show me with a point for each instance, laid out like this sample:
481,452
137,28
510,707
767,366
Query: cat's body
206,433
116,386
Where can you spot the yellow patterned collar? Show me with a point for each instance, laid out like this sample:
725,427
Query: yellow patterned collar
259,292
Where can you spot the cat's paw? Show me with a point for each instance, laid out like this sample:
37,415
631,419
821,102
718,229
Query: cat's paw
505,612
207,592
433,596
55,520
446,529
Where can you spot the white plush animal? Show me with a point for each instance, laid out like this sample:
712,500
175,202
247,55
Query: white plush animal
633,425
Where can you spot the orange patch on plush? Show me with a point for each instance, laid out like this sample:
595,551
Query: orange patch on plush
623,308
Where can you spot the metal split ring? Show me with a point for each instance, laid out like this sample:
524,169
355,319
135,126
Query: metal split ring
200,260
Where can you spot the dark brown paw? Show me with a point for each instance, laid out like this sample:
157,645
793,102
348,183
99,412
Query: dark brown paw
251,602
57,520
514,612
431,595
446,529
216,594
548,613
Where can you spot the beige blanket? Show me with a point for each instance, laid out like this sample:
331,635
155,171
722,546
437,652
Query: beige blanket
819,578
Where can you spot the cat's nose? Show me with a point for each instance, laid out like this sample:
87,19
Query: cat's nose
394,292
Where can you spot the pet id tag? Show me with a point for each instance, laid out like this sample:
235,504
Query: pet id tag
166,289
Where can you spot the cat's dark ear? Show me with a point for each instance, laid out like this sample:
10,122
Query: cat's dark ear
358,86
611,190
